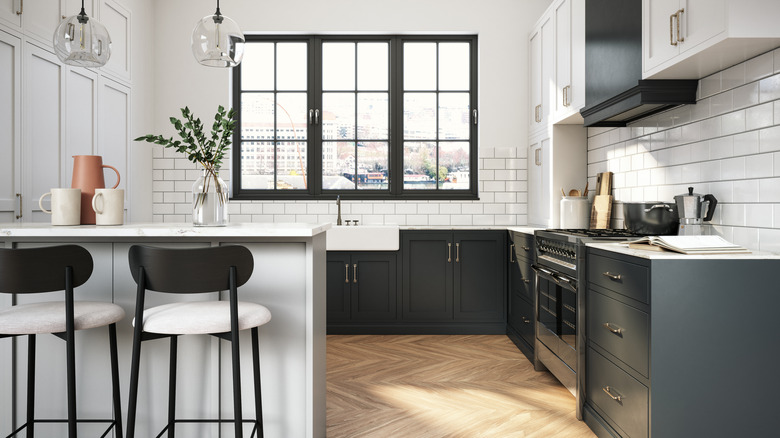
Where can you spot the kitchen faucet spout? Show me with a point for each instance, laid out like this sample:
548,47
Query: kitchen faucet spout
338,204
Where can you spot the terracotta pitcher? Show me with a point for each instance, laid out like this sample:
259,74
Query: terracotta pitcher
88,176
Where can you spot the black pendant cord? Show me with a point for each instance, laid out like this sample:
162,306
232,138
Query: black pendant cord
217,15
83,14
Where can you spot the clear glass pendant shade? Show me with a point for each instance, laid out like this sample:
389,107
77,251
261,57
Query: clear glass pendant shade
82,41
217,41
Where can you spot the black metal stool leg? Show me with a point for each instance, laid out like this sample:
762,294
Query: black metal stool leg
133,401
237,412
118,431
172,388
258,394
30,386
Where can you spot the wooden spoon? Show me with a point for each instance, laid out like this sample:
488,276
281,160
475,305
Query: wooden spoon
585,193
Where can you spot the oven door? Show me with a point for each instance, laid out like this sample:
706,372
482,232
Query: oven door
557,314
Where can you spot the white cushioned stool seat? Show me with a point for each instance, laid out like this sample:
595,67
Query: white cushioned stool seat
49,317
202,317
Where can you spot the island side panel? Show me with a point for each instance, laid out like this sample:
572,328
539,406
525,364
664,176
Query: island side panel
279,282
316,258
6,368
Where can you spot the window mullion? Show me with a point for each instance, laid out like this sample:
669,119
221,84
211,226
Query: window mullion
315,102
396,117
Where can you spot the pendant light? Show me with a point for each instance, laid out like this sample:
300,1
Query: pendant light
82,41
217,41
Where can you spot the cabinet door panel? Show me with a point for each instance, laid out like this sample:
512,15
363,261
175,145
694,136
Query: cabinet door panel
702,20
9,12
10,125
374,293
427,276
339,283
42,128
656,28
41,18
479,276
563,52
535,67
117,20
548,87
114,131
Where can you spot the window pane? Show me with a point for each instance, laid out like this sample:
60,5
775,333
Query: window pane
257,67
419,165
257,116
338,165
420,116
419,66
291,116
338,66
454,162
454,116
338,116
372,165
291,66
372,66
291,165
372,116
257,165
454,66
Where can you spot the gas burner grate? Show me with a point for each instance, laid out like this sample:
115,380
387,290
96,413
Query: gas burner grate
596,233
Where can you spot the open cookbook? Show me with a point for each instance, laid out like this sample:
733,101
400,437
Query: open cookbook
688,244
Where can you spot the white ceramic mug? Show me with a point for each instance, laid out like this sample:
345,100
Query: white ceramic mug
65,206
109,206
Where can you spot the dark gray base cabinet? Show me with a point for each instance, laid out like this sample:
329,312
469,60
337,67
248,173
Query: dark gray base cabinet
362,286
520,311
451,282
681,347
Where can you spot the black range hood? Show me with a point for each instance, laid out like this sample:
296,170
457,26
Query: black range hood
615,93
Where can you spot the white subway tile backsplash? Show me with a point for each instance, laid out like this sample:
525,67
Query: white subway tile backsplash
746,190
746,95
710,171
758,215
709,85
757,117
769,139
769,190
769,89
758,166
732,214
733,123
733,77
721,103
759,67
769,240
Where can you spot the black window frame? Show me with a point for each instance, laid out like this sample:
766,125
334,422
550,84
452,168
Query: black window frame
396,189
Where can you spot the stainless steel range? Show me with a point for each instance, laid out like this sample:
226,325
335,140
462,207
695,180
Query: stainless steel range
560,311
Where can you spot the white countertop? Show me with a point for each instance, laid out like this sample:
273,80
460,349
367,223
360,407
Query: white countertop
165,230
622,248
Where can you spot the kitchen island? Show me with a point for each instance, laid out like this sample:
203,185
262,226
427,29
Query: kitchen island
289,279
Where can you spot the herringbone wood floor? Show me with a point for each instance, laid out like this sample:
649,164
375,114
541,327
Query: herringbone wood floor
442,386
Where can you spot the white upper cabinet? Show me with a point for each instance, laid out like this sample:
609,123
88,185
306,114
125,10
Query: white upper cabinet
117,21
569,22
541,74
690,39
40,18
11,12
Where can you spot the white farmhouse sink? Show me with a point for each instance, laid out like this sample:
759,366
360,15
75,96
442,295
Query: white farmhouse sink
362,238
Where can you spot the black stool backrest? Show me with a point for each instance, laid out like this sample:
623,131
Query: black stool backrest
33,270
190,270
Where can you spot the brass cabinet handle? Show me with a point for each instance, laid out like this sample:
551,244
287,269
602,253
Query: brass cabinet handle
526,248
617,331
21,8
615,277
457,253
354,273
526,281
671,29
526,320
566,101
538,156
449,252
346,273
19,216
678,15
512,253
617,398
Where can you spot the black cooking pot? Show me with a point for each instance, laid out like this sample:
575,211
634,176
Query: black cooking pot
651,218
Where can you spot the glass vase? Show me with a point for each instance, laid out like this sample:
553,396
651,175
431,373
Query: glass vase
209,200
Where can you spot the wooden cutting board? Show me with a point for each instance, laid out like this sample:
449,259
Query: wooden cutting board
601,212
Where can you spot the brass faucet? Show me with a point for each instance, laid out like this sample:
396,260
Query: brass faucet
338,204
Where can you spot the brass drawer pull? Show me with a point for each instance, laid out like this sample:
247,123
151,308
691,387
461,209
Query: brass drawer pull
617,331
354,273
678,15
457,252
615,277
526,281
526,248
671,29
617,398
346,273
526,320
449,252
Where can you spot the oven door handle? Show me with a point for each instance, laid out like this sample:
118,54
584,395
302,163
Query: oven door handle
545,273
569,282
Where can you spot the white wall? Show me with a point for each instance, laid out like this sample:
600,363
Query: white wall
502,26
727,144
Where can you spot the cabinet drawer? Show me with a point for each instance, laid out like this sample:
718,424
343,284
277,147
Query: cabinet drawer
523,245
522,318
525,284
627,406
620,329
622,277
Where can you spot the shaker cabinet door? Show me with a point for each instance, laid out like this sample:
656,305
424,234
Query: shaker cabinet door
10,124
427,276
479,276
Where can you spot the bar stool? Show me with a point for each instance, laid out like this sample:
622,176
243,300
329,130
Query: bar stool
49,269
200,270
